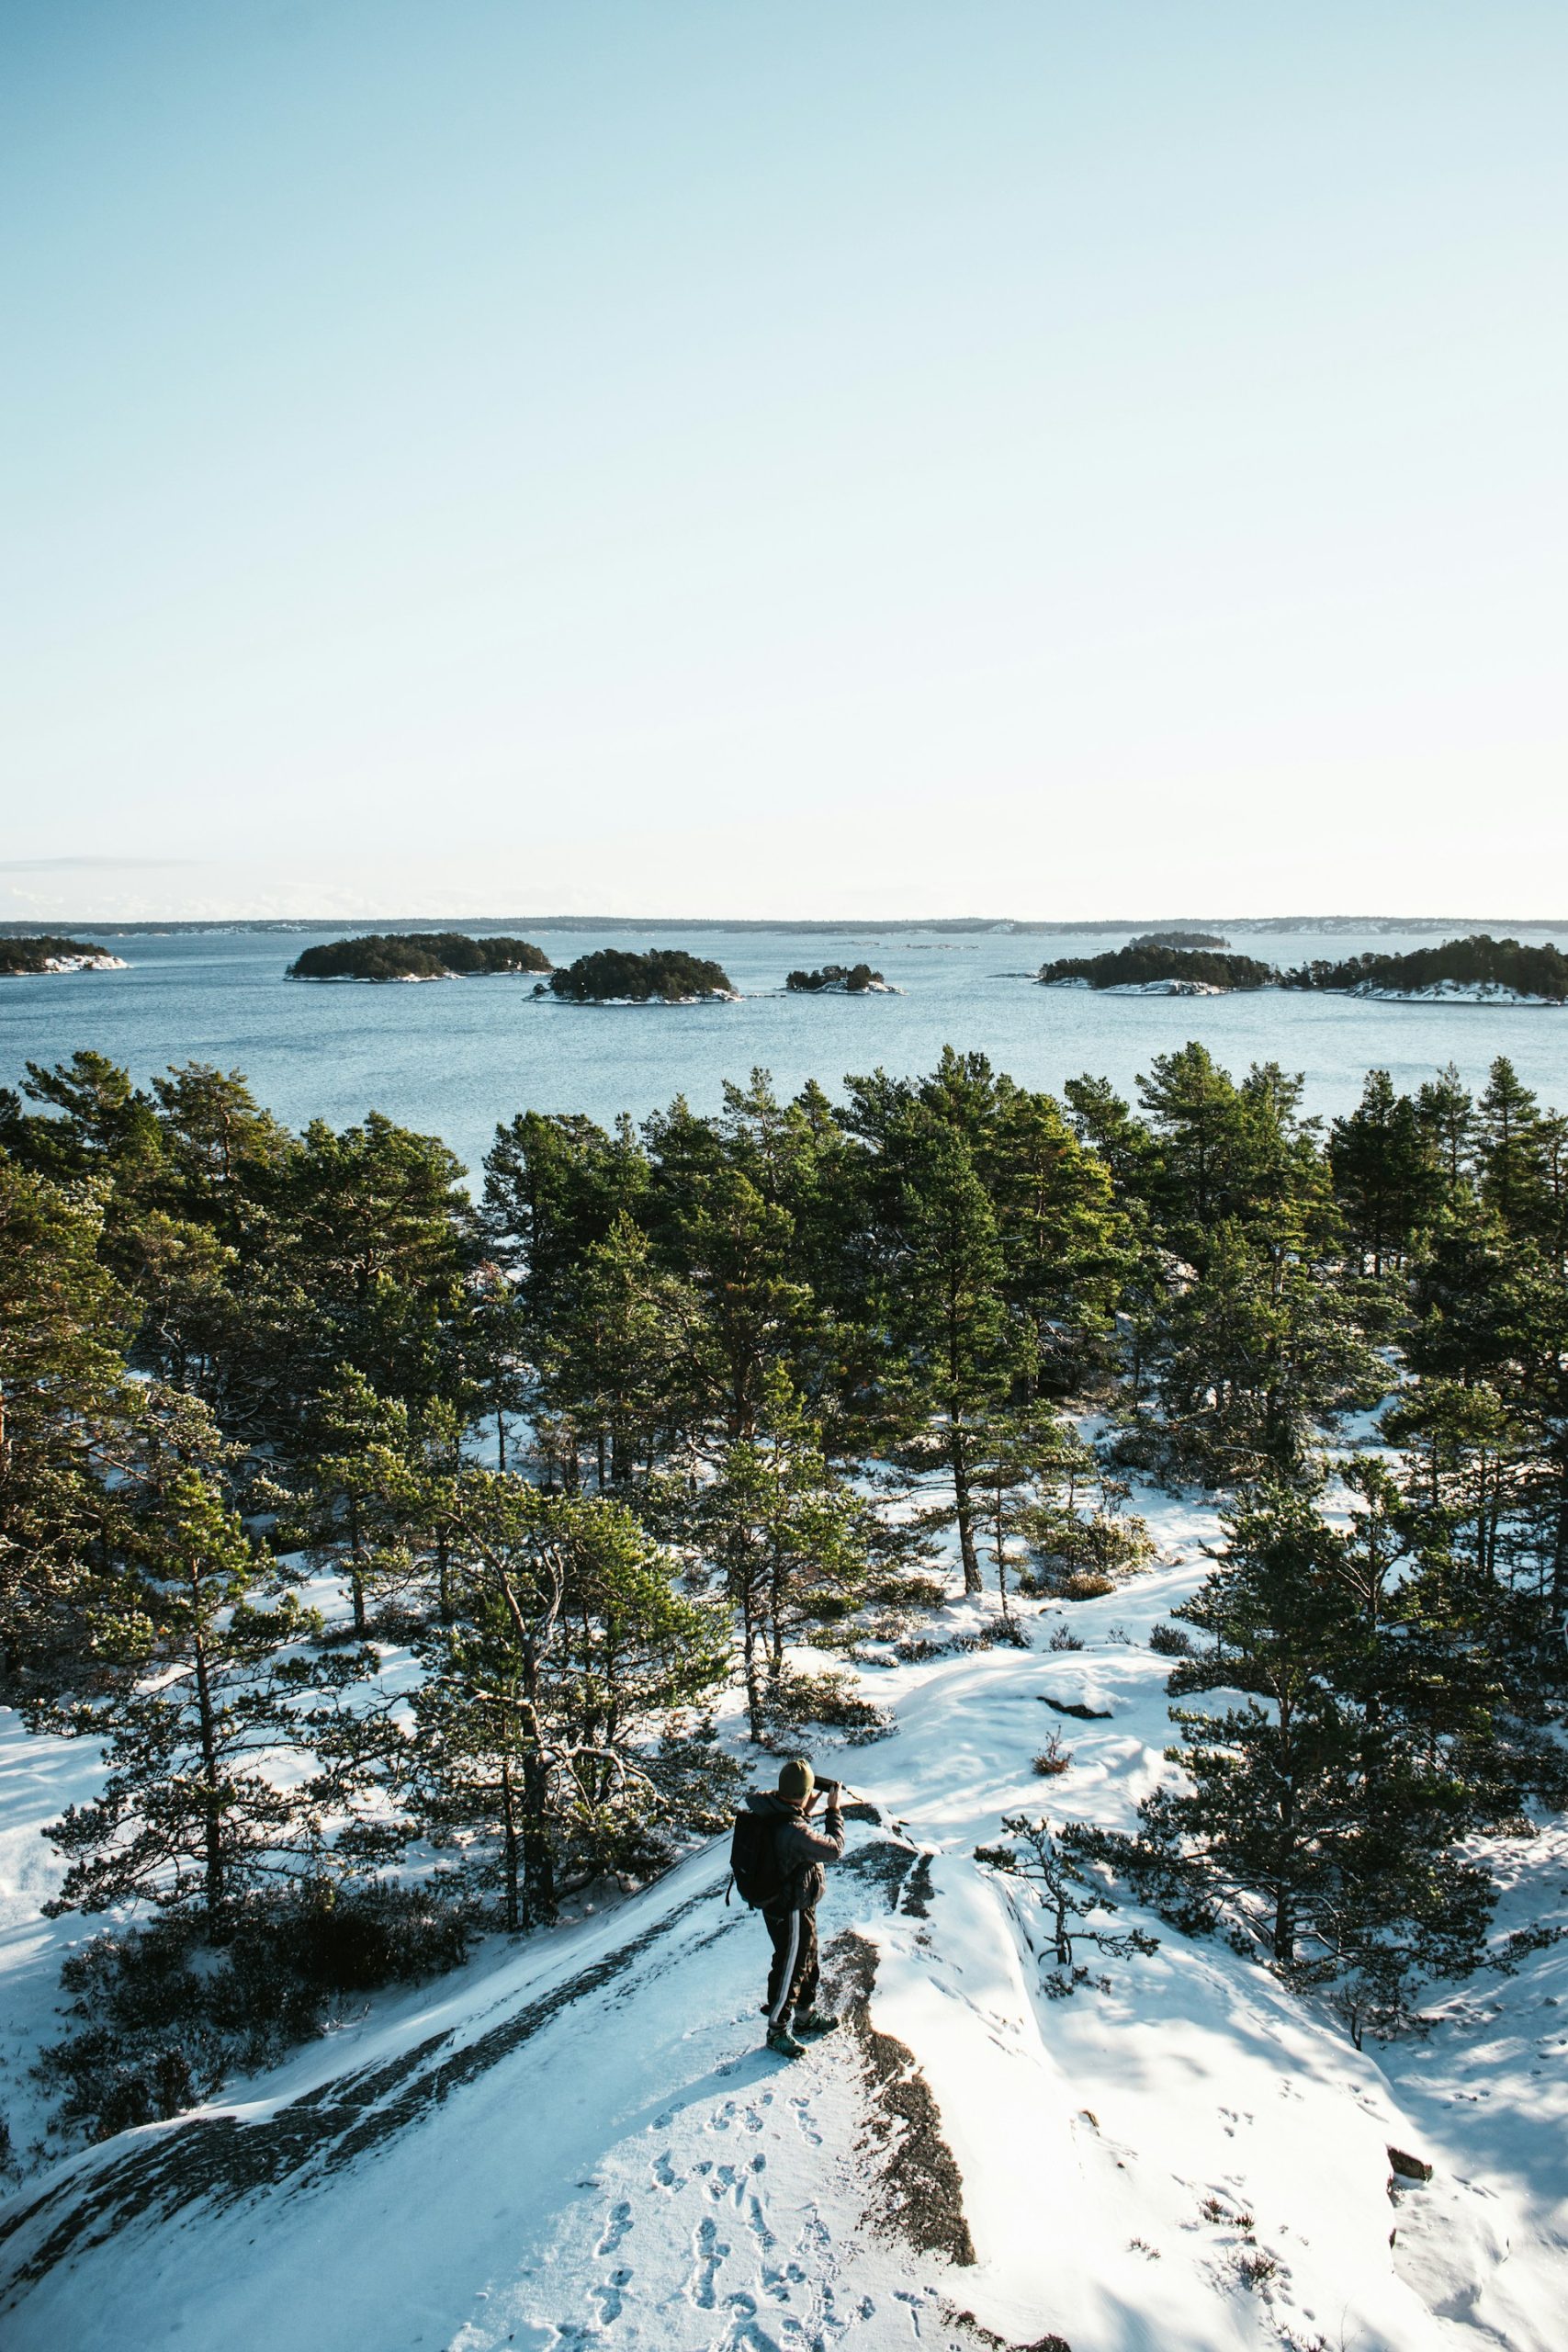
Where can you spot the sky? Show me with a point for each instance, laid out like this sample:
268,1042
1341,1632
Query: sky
702,456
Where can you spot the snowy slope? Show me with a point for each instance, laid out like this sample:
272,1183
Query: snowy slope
580,2142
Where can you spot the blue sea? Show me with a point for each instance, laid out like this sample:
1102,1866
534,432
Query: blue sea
454,1058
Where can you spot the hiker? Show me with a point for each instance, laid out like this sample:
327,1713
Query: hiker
778,1861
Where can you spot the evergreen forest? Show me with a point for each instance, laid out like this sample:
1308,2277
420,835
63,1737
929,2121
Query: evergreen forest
396,1542
415,956
620,975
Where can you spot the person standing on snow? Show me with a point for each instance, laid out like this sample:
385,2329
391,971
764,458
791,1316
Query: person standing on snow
799,1853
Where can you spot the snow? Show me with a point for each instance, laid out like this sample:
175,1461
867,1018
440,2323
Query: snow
842,988
1146,987
84,964
578,2141
1164,987
1449,992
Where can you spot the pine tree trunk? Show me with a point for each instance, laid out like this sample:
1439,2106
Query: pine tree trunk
212,1836
509,1834
1284,1926
749,1663
963,1507
355,1580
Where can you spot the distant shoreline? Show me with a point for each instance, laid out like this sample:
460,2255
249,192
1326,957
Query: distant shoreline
835,926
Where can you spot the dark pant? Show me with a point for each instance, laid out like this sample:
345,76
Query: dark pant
792,1979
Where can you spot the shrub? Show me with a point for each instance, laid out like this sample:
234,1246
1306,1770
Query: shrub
1170,1641
1085,1586
1053,1758
1106,1546
830,1699
1001,1630
163,2011
1062,1640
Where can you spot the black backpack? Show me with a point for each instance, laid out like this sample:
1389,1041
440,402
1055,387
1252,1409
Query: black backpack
754,1867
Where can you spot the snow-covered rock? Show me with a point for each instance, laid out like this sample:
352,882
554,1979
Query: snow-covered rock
1164,987
1449,992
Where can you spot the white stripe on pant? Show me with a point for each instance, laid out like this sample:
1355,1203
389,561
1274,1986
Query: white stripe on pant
786,1979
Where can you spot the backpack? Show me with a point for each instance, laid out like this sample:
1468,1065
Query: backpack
754,1867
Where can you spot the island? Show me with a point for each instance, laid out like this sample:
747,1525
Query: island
1149,971
840,980
1475,970
46,951
661,975
1179,939
416,956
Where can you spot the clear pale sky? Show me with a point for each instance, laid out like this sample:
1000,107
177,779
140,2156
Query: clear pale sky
830,456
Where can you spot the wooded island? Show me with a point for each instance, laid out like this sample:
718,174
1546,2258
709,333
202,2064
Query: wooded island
661,975
840,980
46,951
416,956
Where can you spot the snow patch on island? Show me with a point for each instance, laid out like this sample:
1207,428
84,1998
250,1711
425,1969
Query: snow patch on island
1164,987
1145,988
1448,992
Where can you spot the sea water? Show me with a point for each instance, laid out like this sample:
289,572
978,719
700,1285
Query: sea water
454,1058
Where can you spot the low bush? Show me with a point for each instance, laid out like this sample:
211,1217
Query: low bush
1084,1585
161,2013
1053,1758
830,1700
1001,1632
1074,1552
1169,1641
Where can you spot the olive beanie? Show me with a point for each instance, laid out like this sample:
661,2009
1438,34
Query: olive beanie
797,1778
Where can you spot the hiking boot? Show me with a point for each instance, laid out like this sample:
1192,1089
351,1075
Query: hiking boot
783,2044
816,2022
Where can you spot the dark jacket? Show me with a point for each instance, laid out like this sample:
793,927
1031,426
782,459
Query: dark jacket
803,1845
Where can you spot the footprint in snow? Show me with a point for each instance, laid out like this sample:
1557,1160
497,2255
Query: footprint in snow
777,2283
620,2222
664,2172
709,2253
802,2117
608,2295
745,2336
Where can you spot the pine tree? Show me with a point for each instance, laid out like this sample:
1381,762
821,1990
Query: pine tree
939,1288
362,1491
1071,1899
1253,1357
1510,1151
617,1368
192,1692
570,1651
1318,1817
64,1401
1447,1111
1385,1175
786,1538
379,1240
